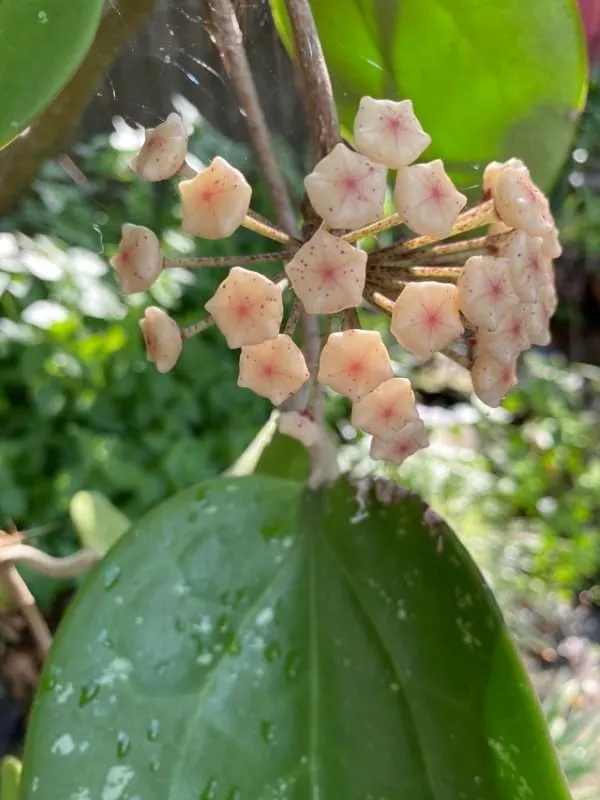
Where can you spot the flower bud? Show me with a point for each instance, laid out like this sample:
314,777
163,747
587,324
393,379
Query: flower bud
411,438
275,369
164,150
520,204
425,317
328,274
492,172
162,336
389,132
485,293
508,340
426,198
354,363
300,426
138,261
528,267
347,189
492,380
215,202
386,410
247,308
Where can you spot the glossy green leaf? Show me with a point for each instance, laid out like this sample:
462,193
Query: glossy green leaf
99,524
42,42
250,640
488,79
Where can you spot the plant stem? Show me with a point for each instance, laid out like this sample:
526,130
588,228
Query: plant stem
350,320
438,254
228,37
374,228
254,222
315,83
381,301
407,274
293,317
476,217
48,565
25,602
225,261
463,361
197,327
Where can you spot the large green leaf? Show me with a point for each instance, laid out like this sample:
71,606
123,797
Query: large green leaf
42,42
488,79
250,640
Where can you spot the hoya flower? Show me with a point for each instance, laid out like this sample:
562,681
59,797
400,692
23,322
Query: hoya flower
492,380
485,293
275,369
162,336
347,189
411,438
354,363
519,203
300,426
386,410
528,266
389,132
427,199
537,322
492,172
215,201
425,317
138,261
164,150
328,274
551,247
508,340
247,308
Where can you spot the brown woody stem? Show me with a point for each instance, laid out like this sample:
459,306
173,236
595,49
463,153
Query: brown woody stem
293,317
407,274
229,40
25,602
314,80
374,228
226,261
197,327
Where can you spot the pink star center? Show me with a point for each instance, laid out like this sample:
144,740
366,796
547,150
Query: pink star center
155,143
268,371
506,376
126,255
495,290
208,195
356,368
516,329
328,273
431,319
534,264
387,413
436,193
243,310
403,449
393,125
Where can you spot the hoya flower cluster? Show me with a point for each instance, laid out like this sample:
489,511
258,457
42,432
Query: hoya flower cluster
492,295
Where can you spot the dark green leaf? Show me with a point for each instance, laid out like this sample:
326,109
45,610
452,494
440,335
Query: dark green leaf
489,80
250,639
42,42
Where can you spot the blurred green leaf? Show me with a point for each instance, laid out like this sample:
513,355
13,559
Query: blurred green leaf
42,42
99,524
488,80
253,639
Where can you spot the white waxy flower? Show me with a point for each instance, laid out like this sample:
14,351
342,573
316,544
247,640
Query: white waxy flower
508,340
328,274
389,132
138,261
425,317
426,198
275,369
247,308
519,203
528,266
485,293
215,201
551,247
164,150
492,380
347,189
492,172
300,426
162,336
411,438
537,320
354,363
386,410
